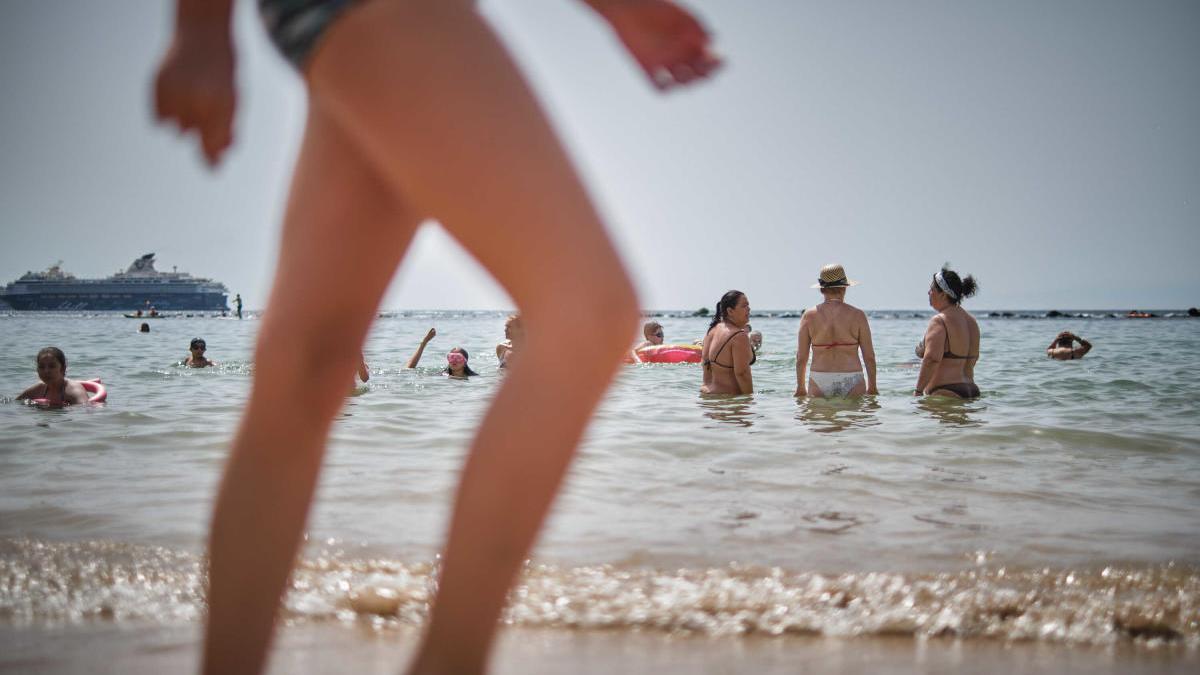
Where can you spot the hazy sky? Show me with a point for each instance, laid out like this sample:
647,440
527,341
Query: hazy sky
1049,147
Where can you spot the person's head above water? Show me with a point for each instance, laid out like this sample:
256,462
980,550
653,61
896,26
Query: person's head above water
144,328
948,288
653,332
733,307
51,364
756,339
198,344
514,329
833,282
458,363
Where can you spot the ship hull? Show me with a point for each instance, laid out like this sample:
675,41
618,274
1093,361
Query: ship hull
115,301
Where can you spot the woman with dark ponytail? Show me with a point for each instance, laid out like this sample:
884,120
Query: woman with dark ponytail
727,337
950,347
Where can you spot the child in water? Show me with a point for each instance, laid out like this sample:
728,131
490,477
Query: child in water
195,357
54,387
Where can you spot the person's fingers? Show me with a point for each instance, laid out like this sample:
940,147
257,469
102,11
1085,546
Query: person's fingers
216,127
682,73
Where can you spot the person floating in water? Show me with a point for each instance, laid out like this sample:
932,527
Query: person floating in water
950,348
726,352
54,387
237,302
652,332
195,357
412,108
1063,347
144,328
835,332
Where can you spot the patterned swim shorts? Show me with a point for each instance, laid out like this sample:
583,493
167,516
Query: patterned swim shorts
296,26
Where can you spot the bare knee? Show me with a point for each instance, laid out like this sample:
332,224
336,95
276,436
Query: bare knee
314,358
604,315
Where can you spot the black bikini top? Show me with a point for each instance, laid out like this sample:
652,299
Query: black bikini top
714,362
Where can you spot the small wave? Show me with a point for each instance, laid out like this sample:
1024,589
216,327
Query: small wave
1148,605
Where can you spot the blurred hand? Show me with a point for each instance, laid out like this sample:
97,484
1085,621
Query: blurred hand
666,40
430,335
194,88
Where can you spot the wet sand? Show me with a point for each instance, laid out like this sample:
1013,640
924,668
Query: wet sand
112,648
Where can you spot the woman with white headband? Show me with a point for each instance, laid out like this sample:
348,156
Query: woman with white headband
950,347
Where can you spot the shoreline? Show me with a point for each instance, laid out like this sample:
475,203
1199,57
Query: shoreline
152,649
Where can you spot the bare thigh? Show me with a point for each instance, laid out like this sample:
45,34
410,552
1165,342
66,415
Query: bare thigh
345,232
461,135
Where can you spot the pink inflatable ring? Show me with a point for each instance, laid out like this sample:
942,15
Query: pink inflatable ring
95,389
669,354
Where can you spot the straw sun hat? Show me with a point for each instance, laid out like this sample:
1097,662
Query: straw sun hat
833,276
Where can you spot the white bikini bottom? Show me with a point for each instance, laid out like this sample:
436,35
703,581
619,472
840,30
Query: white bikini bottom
836,385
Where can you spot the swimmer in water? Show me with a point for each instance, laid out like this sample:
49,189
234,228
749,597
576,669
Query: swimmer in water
457,360
144,328
415,111
54,387
514,336
652,331
836,332
1063,348
726,351
195,357
755,340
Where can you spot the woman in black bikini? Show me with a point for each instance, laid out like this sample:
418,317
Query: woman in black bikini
727,354
951,344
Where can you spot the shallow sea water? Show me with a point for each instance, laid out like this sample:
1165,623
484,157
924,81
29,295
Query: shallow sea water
1062,506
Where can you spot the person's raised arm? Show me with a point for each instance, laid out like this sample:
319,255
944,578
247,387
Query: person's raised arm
1083,348
742,353
935,345
194,86
803,344
868,353
666,40
416,357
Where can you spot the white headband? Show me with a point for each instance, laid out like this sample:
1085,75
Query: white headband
941,282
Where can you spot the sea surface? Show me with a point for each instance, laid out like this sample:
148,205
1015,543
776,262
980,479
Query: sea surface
1063,507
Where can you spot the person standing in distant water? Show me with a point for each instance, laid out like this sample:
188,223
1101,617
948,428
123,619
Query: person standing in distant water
195,357
836,332
726,354
1063,348
950,348
415,111
514,337
54,387
237,302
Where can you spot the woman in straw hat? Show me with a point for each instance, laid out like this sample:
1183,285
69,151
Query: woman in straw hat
950,347
835,332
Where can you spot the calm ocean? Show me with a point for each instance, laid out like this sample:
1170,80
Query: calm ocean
1061,507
